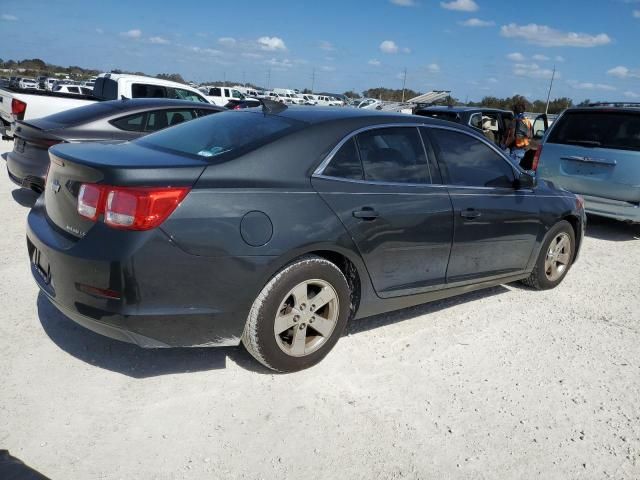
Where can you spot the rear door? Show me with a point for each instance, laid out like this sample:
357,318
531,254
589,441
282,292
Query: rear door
381,184
595,153
495,224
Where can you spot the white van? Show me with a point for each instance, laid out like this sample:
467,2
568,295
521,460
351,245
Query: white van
246,91
290,94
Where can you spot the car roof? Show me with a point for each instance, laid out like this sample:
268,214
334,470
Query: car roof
316,115
456,109
628,108
135,103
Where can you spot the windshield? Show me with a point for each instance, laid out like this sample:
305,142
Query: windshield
215,135
604,129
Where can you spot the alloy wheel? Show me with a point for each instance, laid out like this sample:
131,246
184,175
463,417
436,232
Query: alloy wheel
558,257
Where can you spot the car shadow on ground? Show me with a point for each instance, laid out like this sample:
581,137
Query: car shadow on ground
377,321
613,230
136,362
131,360
24,197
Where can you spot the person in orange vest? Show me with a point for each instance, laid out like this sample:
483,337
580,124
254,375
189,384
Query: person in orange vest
520,133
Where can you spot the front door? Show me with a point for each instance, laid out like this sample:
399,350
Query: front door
380,186
495,223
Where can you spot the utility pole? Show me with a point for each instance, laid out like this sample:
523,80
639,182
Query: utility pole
243,82
224,77
553,75
404,82
269,79
313,79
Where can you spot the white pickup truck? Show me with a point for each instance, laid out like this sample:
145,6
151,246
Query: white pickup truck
17,105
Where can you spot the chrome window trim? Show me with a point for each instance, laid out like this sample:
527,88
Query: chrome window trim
320,169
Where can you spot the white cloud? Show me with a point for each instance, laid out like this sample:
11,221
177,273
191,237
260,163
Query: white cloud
99,31
559,59
326,46
389,46
516,57
532,70
208,51
406,50
374,62
492,80
549,37
284,63
227,42
630,94
591,86
8,17
327,68
404,3
540,58
135,33
271,44
251,55
476,22
623,72
159,40
636,14
460,5
433,68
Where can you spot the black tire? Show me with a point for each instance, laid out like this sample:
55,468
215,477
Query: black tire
259,337
539,278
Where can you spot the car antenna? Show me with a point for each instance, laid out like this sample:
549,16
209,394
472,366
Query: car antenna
269,106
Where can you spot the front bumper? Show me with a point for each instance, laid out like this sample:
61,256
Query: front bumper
605,207
168,298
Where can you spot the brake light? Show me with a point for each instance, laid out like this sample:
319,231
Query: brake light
129,208
536,158
18,107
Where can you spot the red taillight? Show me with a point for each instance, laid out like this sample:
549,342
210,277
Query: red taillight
129,208
18,107
90,201
237,107
536,158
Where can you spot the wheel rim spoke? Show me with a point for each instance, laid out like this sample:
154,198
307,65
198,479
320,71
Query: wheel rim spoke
558,257
322,325
300,295
322,298
299,341
284,322
563,258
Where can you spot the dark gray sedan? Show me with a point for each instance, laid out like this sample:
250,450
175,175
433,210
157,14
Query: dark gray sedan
275,227
116,120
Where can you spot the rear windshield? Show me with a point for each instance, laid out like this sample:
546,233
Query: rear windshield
224,134
449,116
79,115
106,89
617,130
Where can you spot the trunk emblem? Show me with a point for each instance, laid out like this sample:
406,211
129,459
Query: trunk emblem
55,186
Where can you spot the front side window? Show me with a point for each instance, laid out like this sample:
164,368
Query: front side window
182,94
466,161
476,121
346,163
393,155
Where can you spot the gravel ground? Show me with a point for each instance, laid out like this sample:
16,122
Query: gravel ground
500,384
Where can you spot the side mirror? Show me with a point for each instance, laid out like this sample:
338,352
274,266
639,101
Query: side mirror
526,180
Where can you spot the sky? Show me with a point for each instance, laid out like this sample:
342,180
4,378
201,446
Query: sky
472,47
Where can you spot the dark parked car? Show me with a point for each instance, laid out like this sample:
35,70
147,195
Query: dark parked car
116,120
276,227
244,103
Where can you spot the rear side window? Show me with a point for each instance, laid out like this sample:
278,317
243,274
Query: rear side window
617,130
467,161
226,133
131,123
182,94
393,155
346,163
141,90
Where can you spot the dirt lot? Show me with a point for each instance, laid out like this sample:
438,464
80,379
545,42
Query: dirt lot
504,383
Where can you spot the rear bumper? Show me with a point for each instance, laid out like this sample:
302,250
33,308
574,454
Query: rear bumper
605,207
181,300
27,172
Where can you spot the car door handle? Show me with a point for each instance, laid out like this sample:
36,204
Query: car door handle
602,161
366,213
470,213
